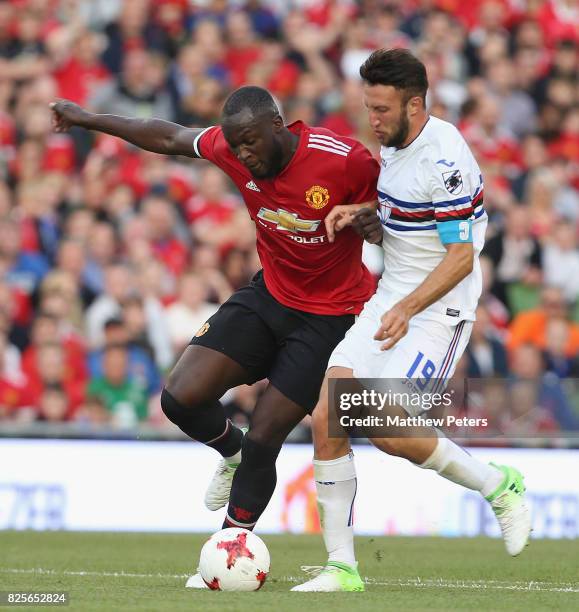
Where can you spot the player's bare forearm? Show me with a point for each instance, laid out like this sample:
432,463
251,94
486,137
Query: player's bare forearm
456,265
372,204
154,135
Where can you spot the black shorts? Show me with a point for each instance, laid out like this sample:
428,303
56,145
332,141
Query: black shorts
289,347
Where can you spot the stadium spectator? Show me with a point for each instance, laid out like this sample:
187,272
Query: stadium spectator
556,355
538,401
138,91
118,287
53,405
80,70
23,269
60,296
132,28
348,118
47,329
518,112
71,259
515,254
101,245
141,366
93,414
530,327
52,369
487,356
160,226
123,397
189,312
561,261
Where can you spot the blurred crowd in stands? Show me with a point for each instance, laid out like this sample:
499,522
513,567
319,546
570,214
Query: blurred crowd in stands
111,258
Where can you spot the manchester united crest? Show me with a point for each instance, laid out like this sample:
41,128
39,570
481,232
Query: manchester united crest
202,330
317,197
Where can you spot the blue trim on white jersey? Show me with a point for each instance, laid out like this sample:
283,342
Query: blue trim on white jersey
403,228
402,203
417,227
456,202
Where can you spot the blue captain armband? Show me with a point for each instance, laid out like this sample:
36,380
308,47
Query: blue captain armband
455,231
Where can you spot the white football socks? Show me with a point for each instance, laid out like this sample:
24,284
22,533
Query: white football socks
455,464
336,487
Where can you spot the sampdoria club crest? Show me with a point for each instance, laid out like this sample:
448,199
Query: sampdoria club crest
453,181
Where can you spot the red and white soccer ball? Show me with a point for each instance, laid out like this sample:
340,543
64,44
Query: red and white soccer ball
234,560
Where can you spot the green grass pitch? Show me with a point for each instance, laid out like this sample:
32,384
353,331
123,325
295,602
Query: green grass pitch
119,571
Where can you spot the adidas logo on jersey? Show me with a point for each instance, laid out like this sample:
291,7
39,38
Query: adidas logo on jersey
251,185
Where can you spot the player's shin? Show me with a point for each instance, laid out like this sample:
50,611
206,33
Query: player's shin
336,489
455,464
253,484
205,423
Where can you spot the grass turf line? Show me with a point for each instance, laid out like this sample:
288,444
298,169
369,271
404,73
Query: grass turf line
119,571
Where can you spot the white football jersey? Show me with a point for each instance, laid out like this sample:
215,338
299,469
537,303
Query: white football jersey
430,193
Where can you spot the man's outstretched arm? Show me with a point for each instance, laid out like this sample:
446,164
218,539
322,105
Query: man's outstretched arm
154,135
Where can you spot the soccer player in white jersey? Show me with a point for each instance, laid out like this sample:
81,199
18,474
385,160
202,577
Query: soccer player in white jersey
418,323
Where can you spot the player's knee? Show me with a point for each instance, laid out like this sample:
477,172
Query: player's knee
320,420
256,453
391,446
174,410
326,448
267,433
189,393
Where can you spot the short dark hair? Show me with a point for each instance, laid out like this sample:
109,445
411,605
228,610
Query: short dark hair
114,322
398,68
258,100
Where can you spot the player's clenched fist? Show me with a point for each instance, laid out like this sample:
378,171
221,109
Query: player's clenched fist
65,114
393,325
367,224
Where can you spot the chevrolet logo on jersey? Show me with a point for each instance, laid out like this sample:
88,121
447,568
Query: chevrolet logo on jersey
288,221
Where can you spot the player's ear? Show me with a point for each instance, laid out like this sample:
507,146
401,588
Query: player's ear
414,105
277,124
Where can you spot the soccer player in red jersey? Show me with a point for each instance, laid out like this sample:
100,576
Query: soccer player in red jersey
285,324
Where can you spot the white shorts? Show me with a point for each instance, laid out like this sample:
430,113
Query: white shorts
428,352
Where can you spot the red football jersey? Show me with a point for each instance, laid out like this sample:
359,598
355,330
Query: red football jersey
301,268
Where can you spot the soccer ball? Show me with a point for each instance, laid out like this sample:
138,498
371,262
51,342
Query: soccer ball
234,560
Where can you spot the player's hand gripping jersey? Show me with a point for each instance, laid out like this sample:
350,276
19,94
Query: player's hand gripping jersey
430,194
302,269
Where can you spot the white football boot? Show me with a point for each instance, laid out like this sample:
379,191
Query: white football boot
217,494
196,582
512,511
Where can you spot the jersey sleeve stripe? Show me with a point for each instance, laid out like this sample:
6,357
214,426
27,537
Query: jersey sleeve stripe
412,216
328,149
196,141
414,228
321,139
402,203
453,215
456,202
442,211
